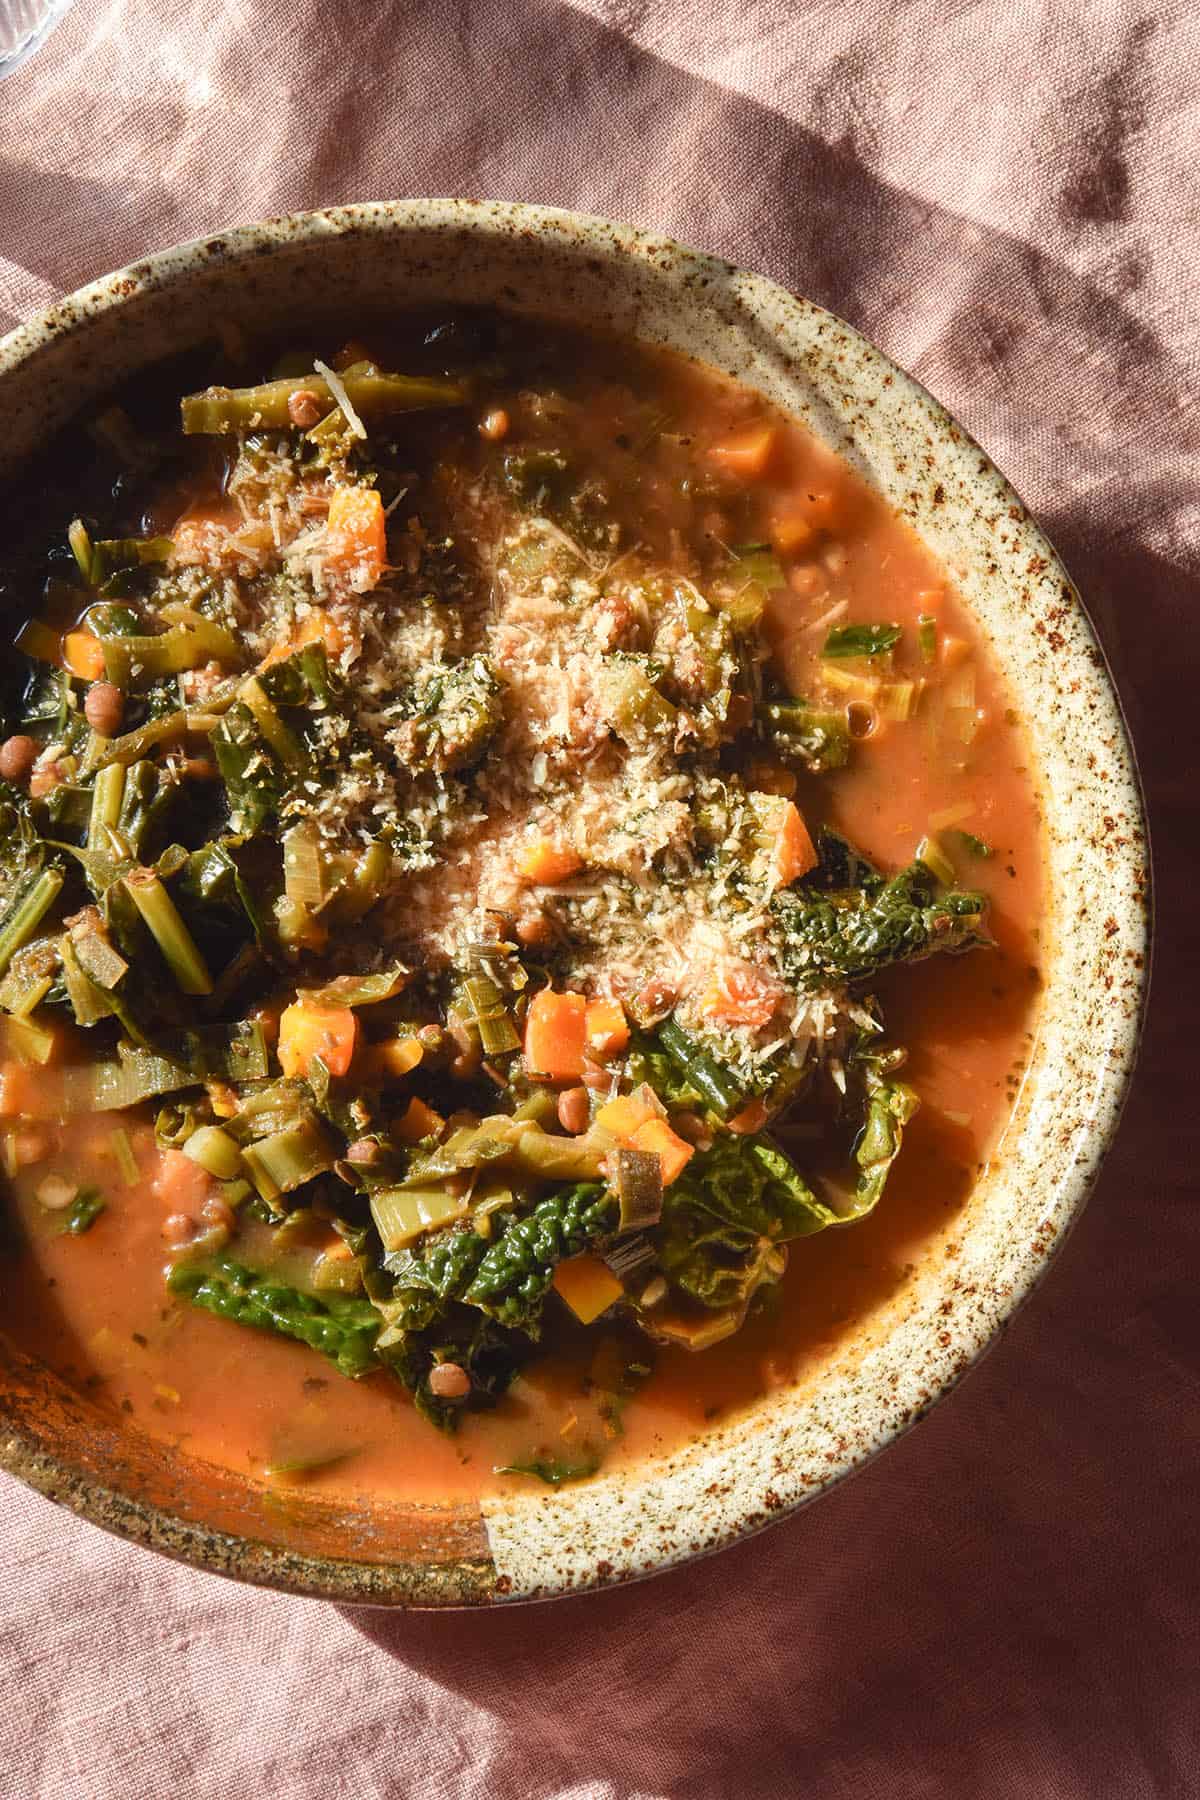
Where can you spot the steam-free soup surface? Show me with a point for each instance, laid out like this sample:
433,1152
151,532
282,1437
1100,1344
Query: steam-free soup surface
544,526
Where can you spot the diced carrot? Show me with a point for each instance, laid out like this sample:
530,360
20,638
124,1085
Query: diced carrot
83,654
953,650
588,1286
737,995
396,1057
305,1031
181,1183
544,862
791,531
607,1028
747,452
626,1114
752,1118
357,535
674,1153
338,1250
794,853
556,1035
419,1121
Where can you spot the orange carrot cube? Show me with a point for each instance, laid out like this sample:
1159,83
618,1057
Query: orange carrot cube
674,1154
607,1028
419,1121
588,1286
746,453
556,1035
794,853
356,540
627,1113
83,654
306,1031
544,862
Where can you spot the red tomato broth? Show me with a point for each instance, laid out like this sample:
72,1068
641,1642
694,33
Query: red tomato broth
95,1307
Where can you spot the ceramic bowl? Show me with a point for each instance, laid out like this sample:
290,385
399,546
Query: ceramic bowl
894,1365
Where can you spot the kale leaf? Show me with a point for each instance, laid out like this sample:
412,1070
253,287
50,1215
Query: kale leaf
727,1214
342,1329
889,1105
514,1273
476,1301
852,933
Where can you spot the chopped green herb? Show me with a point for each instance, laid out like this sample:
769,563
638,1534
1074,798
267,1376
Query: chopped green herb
845,641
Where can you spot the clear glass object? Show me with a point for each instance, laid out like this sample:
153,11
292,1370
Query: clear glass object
24,27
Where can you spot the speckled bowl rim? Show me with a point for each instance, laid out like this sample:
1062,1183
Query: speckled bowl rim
789,1449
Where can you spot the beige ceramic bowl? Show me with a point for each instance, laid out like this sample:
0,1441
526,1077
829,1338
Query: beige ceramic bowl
792,1446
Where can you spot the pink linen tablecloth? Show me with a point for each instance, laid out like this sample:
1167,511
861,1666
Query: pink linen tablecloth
1003,196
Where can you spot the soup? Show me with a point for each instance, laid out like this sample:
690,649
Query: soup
520,906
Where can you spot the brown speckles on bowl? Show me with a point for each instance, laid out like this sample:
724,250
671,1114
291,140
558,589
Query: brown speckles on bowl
798,1441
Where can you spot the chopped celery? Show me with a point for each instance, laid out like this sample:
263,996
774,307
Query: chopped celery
304,868
375,396
358,990
26,1041
931,853
288,1159
191,641
487,1012
215,1151
112,1086
402,1215
282,739
161,918
108,794
632,701
28,905
125,1159
897,700
818,737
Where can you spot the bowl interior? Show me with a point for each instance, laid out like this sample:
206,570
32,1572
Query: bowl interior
360,260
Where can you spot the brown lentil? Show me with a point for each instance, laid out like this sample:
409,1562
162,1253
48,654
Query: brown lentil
104,708
304,408
17,756
574,1110
449,1381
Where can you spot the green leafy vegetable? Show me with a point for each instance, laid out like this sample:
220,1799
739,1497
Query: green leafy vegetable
83,1212
552,1469
513,1275
726,1217
820,739
342,1329
853,933
703,1075
889,1107
845,641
